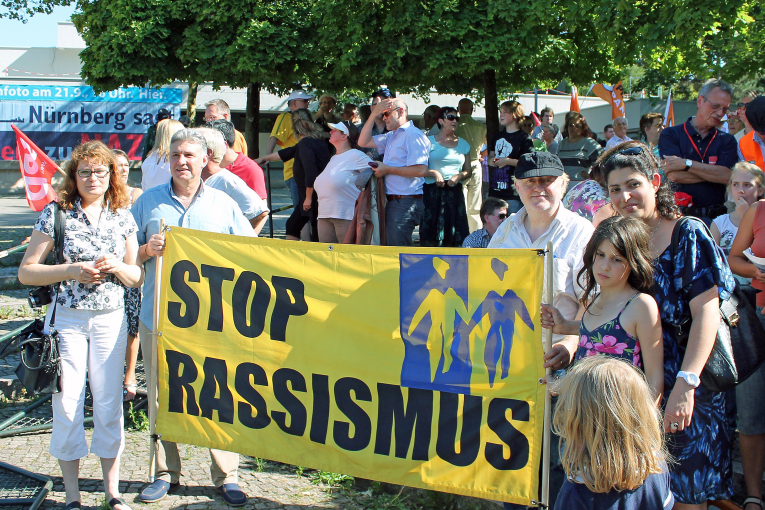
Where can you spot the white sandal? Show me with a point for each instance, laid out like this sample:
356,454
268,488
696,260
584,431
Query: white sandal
754,501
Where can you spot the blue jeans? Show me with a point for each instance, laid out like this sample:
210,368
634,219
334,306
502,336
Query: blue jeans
401,216
292,185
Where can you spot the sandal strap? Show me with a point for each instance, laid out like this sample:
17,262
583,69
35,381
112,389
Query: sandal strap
117,501
72,505
754,501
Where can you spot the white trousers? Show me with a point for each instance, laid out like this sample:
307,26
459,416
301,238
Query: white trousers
92,343
474,197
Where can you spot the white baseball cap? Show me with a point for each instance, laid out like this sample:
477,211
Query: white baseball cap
340,127
299,94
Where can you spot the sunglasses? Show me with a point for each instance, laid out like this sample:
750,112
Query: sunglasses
85,173
630,151
451,116
741,105
502,216
385,114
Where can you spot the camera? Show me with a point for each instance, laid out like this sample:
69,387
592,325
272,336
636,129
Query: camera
40,296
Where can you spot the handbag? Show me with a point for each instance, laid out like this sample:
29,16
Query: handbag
739,347
40,368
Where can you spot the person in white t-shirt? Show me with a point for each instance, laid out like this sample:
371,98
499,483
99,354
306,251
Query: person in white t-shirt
253,207
335,186
155,169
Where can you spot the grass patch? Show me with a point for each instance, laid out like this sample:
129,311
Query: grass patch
15,312
331,481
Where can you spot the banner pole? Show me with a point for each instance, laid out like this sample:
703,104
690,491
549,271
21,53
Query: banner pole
153,369
548,278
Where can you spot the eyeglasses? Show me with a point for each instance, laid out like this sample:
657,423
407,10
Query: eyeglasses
717,107
502,216
385,114
629,151
574,125
451,116
85,173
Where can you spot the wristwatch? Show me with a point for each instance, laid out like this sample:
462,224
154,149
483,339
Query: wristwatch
690,378
688,164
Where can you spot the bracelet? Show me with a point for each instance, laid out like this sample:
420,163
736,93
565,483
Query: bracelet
131,386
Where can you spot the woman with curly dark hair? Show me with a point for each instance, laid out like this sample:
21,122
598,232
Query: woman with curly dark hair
100,251
689,280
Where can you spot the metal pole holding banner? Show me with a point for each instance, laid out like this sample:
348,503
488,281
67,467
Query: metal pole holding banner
547,337
151,373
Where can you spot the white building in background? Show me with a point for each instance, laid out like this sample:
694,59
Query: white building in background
57,70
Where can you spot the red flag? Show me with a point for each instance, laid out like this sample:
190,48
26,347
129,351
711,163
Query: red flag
574,101
669,112
37,169
612,94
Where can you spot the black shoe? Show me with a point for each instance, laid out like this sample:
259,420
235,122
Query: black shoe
232,494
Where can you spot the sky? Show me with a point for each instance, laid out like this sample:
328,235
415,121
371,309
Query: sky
39,31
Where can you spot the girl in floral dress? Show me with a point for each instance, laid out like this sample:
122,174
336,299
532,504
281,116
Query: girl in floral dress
622,320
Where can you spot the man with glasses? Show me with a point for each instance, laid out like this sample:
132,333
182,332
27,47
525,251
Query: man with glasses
620,132
698,157
751,148
493,213
405,151
218,109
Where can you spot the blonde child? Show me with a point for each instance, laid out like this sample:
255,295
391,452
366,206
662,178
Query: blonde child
613,454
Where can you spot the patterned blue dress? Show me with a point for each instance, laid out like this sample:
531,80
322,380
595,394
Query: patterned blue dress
703,450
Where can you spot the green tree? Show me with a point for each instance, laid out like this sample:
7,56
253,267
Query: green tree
244,44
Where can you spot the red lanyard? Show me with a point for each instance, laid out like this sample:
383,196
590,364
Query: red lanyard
694,143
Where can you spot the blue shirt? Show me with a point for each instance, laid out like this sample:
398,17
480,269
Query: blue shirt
210,210
654,494
447,160
718,149
406,146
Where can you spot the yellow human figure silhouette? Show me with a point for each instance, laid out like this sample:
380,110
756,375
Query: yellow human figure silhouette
443,309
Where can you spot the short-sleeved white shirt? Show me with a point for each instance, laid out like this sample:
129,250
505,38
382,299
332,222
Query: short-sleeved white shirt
336,187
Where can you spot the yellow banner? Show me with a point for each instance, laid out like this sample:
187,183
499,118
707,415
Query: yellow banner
408,366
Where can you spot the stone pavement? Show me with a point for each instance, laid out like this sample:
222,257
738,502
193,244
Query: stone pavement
271,486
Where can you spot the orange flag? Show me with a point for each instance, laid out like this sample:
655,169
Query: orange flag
574,101
37,169
669,112
612,94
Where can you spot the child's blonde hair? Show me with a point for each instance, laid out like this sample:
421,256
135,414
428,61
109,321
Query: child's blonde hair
609,425
753,170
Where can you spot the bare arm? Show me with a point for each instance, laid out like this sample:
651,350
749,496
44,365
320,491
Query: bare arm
710,173
273,156
258,221
365,138
684,177
705,312
645,317
33,270
271,144
739,264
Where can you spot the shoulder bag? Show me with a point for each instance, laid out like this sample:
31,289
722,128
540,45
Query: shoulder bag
739,348
40,367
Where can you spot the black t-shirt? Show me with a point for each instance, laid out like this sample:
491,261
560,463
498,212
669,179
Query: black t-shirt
654,494
507,145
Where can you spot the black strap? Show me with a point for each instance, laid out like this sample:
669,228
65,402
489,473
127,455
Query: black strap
59,231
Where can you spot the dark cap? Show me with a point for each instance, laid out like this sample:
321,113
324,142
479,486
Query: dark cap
163,114
538,164
755,113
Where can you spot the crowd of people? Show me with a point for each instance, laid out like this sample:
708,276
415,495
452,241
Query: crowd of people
639,431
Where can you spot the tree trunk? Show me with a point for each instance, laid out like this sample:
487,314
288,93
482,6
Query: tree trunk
252,120
191,103
490,103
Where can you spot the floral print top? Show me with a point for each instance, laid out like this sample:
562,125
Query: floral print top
586,198
611,339
85,242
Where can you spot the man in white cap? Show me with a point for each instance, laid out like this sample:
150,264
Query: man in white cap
283,136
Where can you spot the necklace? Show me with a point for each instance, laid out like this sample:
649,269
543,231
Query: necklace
657,228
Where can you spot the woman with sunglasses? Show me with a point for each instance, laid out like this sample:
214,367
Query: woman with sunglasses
690,283
100,250
444,219
577,151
